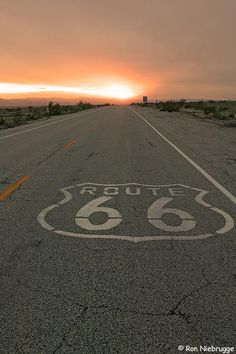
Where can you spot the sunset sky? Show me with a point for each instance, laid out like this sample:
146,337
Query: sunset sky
118,48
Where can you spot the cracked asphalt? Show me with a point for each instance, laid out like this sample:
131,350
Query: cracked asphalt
117,280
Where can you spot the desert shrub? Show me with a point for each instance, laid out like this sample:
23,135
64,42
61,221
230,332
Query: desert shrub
220,115
170,106
37,113
9,123
11,117
106,105
209,109
217,109
198,105
18,117
84,105
2,121
30,116
187,105
54,109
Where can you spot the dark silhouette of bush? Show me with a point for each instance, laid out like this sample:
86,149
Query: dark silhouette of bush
221,110
18,117
220,115
209,109
54,109
2,122
84,105
170,106
11,117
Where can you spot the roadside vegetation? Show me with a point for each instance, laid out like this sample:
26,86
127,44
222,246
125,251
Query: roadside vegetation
219,110
12,117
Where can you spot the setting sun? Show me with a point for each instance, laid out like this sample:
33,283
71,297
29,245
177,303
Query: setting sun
117,91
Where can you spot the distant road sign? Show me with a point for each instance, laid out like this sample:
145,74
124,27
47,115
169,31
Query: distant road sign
145,99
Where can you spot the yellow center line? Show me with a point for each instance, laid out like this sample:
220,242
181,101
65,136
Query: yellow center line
69,144
12,188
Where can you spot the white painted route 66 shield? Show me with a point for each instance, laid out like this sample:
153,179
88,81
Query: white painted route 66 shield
135,212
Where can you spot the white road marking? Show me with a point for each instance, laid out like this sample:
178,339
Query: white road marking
194,164
229,222
157,210
42,215
46,125
83,215
116,217
134,239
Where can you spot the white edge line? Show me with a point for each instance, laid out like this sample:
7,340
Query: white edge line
46,125
194,164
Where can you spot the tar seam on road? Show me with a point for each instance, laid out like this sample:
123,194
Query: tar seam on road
194,164
12,188
69,144
44,125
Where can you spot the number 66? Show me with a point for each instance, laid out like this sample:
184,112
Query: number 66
114,218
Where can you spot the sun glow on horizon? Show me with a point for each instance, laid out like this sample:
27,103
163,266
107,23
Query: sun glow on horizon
117,91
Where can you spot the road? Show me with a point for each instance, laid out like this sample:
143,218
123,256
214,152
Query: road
117,233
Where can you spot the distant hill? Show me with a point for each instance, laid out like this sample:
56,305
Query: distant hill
24,102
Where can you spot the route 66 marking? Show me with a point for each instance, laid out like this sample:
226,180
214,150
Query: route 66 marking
135,212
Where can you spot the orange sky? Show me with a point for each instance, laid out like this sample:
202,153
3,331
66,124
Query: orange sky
165,49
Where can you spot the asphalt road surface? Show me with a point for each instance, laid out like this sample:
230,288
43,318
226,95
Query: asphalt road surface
117,234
